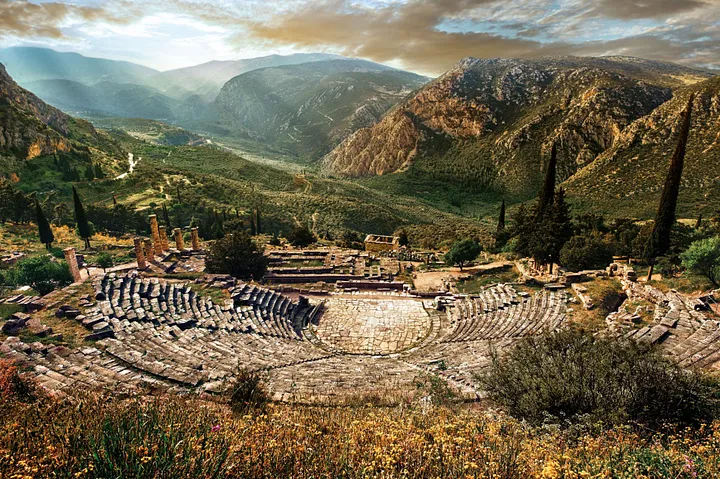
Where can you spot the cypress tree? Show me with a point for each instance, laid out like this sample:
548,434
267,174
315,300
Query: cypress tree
547,193
166,216
46,234
89,173
258,226
82,223
659,241
501,218
698,223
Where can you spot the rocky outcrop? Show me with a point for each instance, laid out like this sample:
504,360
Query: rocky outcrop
28,126
493,121
631,172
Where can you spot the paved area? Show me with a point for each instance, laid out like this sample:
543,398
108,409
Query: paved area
368,326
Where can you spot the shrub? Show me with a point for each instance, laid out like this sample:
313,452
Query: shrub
238,255
301,236
15,386
585,252
40,273
703,258
572,375
248,392
105,261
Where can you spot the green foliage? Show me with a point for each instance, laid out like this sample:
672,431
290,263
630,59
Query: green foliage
248,392
572,375
41,273
83,226
703,258
586,252
105,260
301,236
44,230
463,252
238,255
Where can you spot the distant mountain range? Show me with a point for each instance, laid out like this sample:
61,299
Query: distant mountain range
311,107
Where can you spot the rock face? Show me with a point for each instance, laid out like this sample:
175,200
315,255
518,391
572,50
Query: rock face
28,126
491,123
309,108
632,171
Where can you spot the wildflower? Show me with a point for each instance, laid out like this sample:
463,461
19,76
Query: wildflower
145,459
215,428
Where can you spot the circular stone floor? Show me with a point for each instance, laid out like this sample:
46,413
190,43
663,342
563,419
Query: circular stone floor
368,326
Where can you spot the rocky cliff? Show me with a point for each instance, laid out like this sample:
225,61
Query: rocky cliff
28,126
491,123
628,177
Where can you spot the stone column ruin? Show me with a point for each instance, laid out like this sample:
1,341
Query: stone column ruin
195,239
139,253
148,249
155,233
179,243
71,260
163,239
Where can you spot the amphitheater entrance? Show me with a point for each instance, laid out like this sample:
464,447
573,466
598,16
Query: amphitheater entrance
373,326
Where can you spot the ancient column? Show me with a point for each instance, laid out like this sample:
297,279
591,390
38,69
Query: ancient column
163,239
195,239
139,253
148,249
179,244
71,260
155,232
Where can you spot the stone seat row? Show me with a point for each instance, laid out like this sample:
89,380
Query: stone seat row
136,299
472,319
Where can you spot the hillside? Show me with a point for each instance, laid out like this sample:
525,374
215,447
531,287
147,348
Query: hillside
628,177
30,127
311,107
106,99
206,79
489,124
28,64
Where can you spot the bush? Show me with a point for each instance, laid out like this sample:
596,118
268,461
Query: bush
105,261
703,258
238,255
573,375
586,252
301,236
41,273
248,392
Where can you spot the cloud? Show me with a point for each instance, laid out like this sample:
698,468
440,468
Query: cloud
414,33
23,19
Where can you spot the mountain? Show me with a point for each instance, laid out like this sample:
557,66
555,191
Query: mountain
627,178
310,107
106,99
29,64
490,124
207,79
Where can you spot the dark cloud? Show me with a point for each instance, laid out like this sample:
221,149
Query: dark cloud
24,19
637,9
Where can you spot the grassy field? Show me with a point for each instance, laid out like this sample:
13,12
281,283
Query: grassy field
98,436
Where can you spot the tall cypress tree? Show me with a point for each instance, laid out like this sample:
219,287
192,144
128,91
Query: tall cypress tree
82,223
258,225
501,218
46,234
547,193
166,216
659,241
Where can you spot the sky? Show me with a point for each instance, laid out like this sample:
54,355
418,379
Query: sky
424,36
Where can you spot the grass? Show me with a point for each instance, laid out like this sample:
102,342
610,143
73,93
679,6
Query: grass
482,280
100,436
